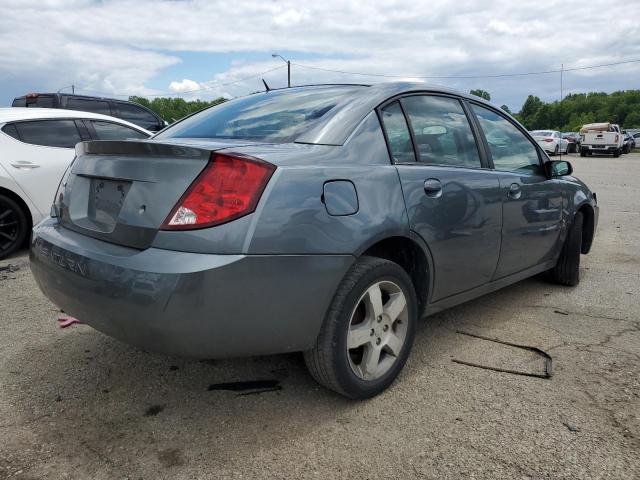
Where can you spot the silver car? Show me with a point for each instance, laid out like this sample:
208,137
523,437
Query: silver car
321,219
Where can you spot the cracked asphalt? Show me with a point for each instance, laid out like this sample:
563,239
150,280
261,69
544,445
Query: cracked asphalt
77,404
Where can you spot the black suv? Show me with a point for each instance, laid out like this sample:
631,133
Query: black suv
129,111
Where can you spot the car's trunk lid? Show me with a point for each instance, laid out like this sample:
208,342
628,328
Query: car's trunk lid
122,191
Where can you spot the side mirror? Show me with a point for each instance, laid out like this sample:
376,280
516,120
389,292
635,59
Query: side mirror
559,168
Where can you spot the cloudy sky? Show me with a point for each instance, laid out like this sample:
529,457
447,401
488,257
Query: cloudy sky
204,49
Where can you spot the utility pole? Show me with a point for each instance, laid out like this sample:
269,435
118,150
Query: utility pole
561,96
289,73
275,55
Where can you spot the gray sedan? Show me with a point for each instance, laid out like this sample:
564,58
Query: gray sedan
322,219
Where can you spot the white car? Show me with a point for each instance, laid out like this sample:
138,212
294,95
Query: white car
551,141
36,147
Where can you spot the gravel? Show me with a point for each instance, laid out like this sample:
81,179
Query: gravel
77,404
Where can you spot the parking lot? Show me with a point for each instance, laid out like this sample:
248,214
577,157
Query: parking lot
77,404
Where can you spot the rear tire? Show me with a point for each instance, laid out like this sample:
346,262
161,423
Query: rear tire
567,270
14,226
583,152
556,150
363,344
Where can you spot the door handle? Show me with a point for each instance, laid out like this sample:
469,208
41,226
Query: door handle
433,187
515,191
27,165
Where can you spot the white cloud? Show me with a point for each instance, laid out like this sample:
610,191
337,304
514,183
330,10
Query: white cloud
119,46
185,86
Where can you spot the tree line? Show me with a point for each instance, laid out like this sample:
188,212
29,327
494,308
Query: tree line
577,109
172,109
573,112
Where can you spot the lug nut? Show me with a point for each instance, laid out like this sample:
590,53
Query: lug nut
378,341
385,328
372,332
379,318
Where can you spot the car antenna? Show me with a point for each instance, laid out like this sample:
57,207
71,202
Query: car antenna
266,86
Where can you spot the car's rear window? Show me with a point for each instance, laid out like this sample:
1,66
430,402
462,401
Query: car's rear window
276,116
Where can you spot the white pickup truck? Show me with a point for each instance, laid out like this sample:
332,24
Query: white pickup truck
601,138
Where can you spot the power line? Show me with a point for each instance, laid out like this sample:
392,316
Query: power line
441,77
209,86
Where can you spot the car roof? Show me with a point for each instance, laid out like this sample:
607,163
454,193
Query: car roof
335,126
14,114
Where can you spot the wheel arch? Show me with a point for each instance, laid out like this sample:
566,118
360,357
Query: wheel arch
588,226
413,257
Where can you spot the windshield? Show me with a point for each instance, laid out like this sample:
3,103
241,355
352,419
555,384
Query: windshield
542,133
277,116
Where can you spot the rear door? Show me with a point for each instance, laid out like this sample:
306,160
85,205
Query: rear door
452,198
42,152
532,203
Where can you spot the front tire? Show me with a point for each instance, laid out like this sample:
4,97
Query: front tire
368,331
567,270
14,226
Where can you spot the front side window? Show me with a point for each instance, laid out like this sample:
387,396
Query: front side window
278,116
398,136
85,105
442,132
138,115
50,133
510,149
114,131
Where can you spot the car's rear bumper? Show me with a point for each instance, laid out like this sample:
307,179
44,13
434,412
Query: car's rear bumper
187,304
600,148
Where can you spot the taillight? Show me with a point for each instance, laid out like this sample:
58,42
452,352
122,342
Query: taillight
616,141
229,187
548,139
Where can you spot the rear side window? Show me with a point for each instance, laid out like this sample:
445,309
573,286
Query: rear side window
50,133
510,149
85,105
277,116
398,136
11,130
138,115
19,102
40,101
441,131
114,131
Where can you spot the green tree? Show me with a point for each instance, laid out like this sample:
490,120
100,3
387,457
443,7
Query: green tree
505,108
632,120
481,93
173,109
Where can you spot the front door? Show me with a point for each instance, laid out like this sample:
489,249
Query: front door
453,201
532,203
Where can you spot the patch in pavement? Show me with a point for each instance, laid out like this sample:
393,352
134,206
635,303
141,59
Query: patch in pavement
251,387
502,356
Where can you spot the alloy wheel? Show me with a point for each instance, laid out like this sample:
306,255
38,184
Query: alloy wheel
9,227
377,330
